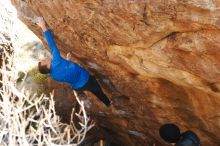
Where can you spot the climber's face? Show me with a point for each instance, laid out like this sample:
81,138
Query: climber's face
46,62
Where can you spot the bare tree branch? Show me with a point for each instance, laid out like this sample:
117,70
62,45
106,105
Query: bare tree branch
26,120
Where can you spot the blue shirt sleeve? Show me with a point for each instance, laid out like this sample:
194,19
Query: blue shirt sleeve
55,51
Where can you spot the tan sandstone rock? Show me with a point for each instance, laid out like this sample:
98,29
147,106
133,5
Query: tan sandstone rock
157,59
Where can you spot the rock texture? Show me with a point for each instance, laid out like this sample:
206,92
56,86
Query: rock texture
157,59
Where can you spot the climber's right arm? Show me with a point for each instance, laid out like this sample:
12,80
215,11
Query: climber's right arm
49,38
41,23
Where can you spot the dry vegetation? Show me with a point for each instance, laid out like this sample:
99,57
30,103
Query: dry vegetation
27,119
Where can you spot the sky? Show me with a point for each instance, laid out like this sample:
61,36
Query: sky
27,46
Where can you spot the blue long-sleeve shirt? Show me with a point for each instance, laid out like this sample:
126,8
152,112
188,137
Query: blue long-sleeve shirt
63,70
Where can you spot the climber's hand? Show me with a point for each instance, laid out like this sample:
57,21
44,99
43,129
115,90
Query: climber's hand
41,23
68,56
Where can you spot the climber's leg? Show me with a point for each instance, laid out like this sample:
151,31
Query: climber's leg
93,86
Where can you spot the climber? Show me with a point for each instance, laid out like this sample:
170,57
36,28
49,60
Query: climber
171,134
63,70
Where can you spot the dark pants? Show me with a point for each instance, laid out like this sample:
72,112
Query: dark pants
93,86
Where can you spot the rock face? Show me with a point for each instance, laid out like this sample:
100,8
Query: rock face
158,60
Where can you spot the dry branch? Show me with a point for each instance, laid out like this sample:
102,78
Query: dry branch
26,119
